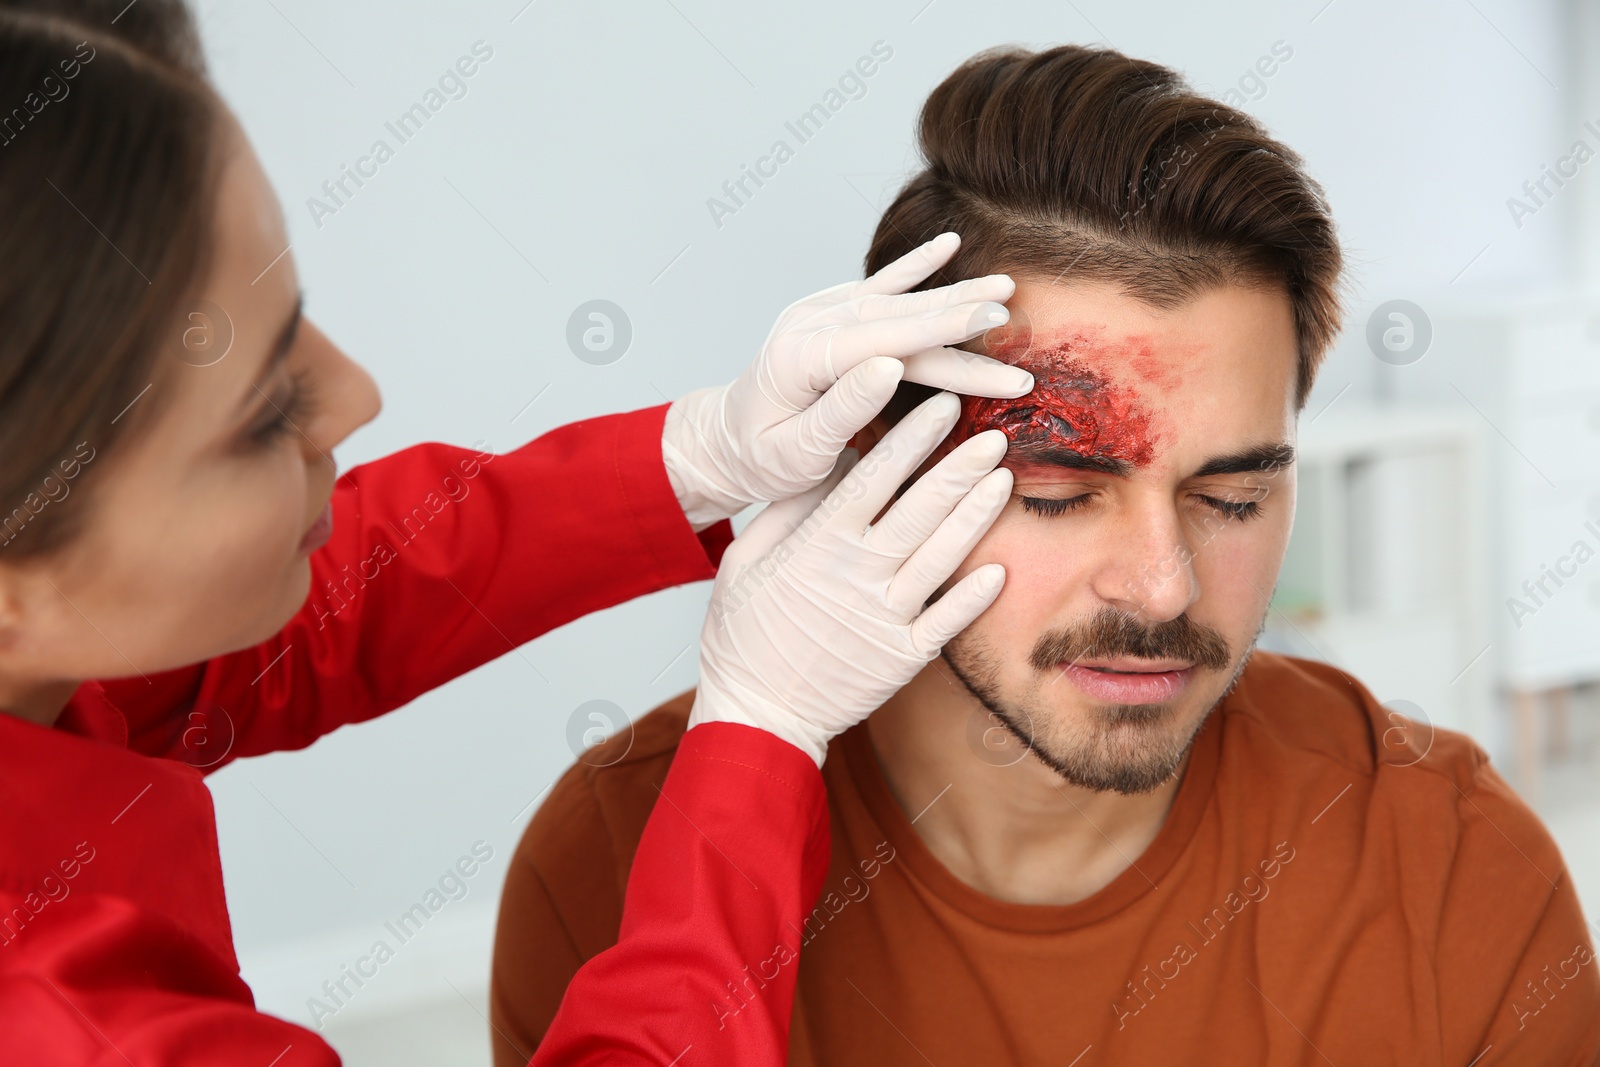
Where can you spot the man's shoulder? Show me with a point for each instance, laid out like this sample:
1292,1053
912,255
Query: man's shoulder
1416,807
1310,710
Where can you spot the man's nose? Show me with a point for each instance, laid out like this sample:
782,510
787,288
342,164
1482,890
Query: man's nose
1150,569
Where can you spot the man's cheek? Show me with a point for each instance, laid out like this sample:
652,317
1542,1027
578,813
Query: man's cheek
1011,543
1237,573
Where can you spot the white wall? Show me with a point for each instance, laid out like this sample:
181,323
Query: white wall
587,147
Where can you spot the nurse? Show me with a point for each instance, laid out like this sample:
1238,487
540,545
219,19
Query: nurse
185,577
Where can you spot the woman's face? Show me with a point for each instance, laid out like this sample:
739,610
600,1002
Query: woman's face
194,542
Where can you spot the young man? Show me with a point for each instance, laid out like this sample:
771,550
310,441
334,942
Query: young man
1097,829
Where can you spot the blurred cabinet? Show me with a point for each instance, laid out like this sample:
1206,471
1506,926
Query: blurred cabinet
1385,575
1529,373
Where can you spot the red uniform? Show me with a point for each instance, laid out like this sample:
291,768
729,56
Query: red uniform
115,944
704,969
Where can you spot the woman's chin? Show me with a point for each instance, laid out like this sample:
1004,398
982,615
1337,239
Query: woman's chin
296,588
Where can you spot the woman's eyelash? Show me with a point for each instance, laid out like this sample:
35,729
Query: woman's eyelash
291,413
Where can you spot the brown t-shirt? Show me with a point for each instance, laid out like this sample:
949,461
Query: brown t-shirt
1329,887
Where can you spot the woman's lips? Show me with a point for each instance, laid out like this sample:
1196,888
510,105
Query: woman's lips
1128,685
320,530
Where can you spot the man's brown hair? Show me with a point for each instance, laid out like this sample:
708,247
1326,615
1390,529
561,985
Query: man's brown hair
1083,162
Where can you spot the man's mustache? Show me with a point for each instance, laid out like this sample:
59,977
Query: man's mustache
1112,633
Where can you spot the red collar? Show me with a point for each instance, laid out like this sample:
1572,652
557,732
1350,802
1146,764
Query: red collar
91,714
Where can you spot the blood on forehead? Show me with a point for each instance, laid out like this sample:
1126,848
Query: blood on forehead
1074,406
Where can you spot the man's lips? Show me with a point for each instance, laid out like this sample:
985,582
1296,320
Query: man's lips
1131,665
1129,681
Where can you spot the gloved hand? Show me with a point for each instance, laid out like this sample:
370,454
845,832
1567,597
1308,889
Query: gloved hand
817,617
777,430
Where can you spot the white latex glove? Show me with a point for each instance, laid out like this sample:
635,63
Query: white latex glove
777,430
817,617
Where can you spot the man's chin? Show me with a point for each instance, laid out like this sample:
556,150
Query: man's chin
1125,748
1128,749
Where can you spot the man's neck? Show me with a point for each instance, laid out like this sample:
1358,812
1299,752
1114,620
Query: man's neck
1017,833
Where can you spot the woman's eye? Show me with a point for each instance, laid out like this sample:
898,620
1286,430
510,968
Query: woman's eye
1044,505
271,430
295,409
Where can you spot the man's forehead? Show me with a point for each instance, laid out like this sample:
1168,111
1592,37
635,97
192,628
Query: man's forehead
1144,348
1160,344
1119,385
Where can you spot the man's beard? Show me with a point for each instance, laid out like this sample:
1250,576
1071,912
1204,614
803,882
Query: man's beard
1122,749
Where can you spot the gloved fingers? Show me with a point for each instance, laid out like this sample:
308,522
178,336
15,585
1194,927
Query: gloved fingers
939,556
954,612
775,522
848,405
913,267
832,296
872,483
967,372
996,287
929,501
832,351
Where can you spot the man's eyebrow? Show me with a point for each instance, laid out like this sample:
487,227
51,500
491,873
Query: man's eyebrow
1259,459
1063,457
280,347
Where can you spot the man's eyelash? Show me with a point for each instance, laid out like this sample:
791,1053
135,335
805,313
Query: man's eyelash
1044,505
290,414
1243,510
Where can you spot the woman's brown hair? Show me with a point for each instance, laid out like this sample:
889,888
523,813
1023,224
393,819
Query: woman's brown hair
1083,162
107,184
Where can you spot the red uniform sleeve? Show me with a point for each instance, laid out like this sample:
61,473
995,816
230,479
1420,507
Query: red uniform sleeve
442,558
116,987
734,854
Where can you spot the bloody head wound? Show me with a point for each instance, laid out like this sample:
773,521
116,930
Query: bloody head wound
1073,408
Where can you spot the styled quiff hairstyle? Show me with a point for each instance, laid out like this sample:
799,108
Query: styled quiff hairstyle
1084,163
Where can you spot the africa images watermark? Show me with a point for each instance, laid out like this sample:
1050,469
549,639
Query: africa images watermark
1538,997
1540,190
452,885
854,889
452,86
52,888
53,488
341,590
1538,591
1250,87
51,90
851,85
1253,889
1154,576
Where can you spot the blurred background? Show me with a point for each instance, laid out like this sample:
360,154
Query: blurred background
1447,548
